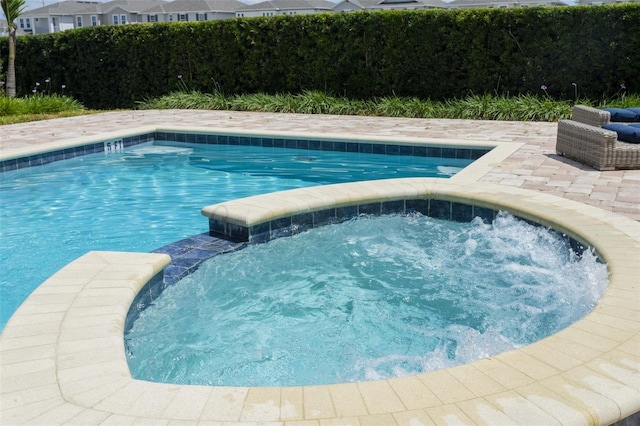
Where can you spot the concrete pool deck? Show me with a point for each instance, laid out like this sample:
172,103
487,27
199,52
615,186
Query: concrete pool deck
63,362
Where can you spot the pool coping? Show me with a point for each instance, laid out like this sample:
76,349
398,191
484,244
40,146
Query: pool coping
63,353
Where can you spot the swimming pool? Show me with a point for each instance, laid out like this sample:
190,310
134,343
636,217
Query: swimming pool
580,375
138,195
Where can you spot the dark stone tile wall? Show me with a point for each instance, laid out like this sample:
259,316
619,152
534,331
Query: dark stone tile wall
267,141
326,145
65,154
439,209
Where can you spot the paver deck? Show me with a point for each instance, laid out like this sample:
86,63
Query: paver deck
62,356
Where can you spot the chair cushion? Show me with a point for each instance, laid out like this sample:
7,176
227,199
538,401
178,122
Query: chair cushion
626,133
623,114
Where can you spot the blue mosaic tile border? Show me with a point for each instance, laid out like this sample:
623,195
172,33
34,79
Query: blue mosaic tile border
65,154
439,209
267,142
282,227
186,257
326,145
50,157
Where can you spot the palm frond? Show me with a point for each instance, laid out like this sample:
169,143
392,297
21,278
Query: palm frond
12,9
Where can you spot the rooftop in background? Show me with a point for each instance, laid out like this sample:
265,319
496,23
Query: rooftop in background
50,17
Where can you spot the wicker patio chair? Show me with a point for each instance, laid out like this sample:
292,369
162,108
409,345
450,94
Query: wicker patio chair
589,115
583,139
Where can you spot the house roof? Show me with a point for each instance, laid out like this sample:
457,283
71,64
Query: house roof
394,4
131,6
67,7
490,3
197,6
77,7
290,5
596,2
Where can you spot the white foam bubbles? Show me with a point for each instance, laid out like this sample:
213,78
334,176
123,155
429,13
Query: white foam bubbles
372,298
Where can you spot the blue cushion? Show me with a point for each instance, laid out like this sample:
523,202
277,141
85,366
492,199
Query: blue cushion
625,132
623,114
634,125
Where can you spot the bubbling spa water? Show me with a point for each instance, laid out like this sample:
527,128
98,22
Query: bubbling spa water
371,298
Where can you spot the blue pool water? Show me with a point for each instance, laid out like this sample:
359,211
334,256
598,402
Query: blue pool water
151,195
367,299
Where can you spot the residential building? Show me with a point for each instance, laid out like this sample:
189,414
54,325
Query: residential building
373,5
192,10
71,14
120,12
600,2
285,7
52,18
466,4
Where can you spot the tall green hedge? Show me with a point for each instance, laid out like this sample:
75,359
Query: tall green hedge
429,54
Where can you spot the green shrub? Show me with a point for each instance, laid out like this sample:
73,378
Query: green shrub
586,52
38,104
486,107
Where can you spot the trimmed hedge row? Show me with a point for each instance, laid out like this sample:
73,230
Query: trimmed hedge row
429,54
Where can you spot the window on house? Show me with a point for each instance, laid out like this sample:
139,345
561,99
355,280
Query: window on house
21,24
94,21
201,17
123,19
115,19
183,17
152,18
78,21
28,22
170,18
